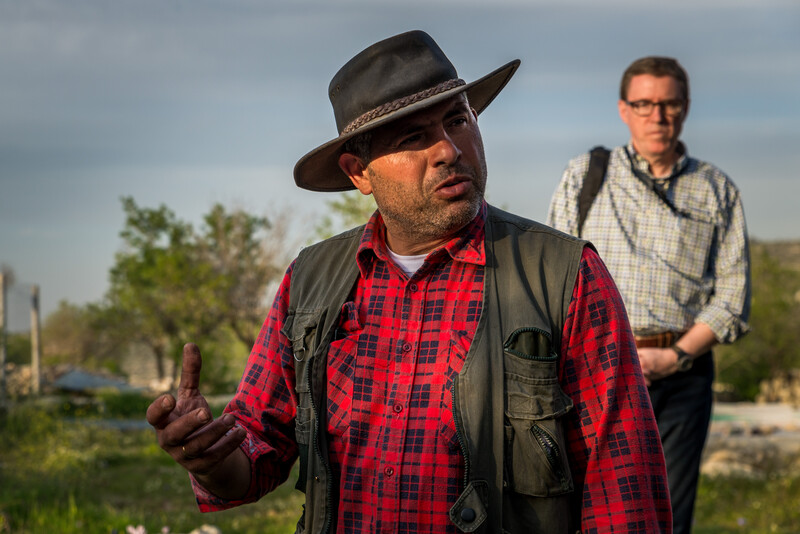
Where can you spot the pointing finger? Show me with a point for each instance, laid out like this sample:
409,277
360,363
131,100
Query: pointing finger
190,371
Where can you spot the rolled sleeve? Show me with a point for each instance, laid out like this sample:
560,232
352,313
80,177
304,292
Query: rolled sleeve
728,309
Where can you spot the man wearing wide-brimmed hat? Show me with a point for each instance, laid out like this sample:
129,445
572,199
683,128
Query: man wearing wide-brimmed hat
448,367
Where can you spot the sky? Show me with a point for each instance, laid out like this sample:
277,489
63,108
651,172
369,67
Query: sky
187,103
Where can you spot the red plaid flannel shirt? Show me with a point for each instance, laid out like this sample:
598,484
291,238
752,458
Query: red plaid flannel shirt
393,439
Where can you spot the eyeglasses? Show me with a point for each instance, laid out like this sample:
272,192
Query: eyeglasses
644,108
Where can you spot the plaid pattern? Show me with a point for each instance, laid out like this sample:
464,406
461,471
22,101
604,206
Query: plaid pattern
673,269
392,437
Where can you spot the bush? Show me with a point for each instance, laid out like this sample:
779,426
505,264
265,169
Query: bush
773,344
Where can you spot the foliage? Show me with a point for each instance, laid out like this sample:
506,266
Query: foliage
235,246
172,284
87,336
350,209
113,403
773,344
18,348
159,285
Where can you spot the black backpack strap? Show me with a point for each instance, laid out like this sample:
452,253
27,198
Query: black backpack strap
592,182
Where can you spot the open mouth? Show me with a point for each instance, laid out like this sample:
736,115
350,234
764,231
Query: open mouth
454,187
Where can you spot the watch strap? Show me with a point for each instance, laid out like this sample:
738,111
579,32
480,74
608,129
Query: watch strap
685,360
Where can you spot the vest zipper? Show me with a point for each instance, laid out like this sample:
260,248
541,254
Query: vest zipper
550,448
329,474
457,421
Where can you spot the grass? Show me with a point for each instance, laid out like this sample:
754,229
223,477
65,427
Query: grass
60,474
743,505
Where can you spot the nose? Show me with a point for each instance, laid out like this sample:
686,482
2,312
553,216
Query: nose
659,113
445,150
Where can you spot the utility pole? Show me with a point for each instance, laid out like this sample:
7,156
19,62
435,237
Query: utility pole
35,342
2,342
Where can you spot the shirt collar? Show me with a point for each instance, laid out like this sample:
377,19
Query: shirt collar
642,165
466,245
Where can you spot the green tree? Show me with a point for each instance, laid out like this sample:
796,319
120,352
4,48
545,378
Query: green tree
18,348
250,253
88,335
159,286
347,210
171,284
773,344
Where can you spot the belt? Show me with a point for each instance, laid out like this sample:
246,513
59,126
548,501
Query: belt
661,340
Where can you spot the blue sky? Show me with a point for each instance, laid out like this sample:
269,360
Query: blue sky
187,103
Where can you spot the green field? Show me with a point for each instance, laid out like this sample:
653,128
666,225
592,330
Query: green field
66,472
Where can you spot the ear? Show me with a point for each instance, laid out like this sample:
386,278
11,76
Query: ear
354,168
622,106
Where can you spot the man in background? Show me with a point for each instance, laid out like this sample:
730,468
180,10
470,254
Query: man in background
672,231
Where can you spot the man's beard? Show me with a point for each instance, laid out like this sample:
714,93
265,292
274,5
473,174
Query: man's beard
430,217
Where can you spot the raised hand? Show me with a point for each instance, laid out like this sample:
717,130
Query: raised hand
185,427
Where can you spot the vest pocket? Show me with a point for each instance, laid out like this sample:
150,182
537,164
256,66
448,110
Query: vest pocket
300,329
536,460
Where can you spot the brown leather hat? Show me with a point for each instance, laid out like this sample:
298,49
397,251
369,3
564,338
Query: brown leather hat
390,79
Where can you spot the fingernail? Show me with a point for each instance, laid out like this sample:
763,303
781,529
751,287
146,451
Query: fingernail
166,402
202,415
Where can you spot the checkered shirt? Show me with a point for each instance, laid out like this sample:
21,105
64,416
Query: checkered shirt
393,440
673,267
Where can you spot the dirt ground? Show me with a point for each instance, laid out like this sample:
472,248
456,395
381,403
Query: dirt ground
752,439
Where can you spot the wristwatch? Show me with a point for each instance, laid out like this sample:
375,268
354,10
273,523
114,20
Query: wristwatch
685,359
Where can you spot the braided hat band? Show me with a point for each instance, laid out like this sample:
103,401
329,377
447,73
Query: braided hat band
401,103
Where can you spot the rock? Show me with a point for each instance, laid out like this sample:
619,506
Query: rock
783,387
763,430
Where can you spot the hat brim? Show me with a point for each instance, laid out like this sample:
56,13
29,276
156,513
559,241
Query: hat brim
319,169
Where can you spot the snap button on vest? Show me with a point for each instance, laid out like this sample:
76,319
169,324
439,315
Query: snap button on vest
468,515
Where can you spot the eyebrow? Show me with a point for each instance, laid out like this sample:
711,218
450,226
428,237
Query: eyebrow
410,124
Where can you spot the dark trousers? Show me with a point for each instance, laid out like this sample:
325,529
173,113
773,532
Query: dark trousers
682,405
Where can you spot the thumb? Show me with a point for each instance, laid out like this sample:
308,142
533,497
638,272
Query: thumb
190,371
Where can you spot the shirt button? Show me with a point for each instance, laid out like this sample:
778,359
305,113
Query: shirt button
389,471
397,408
407,347
413,287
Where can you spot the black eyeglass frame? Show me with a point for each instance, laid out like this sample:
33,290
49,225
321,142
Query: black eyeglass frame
639,106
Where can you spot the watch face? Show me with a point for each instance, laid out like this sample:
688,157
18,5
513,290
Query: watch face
685,363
